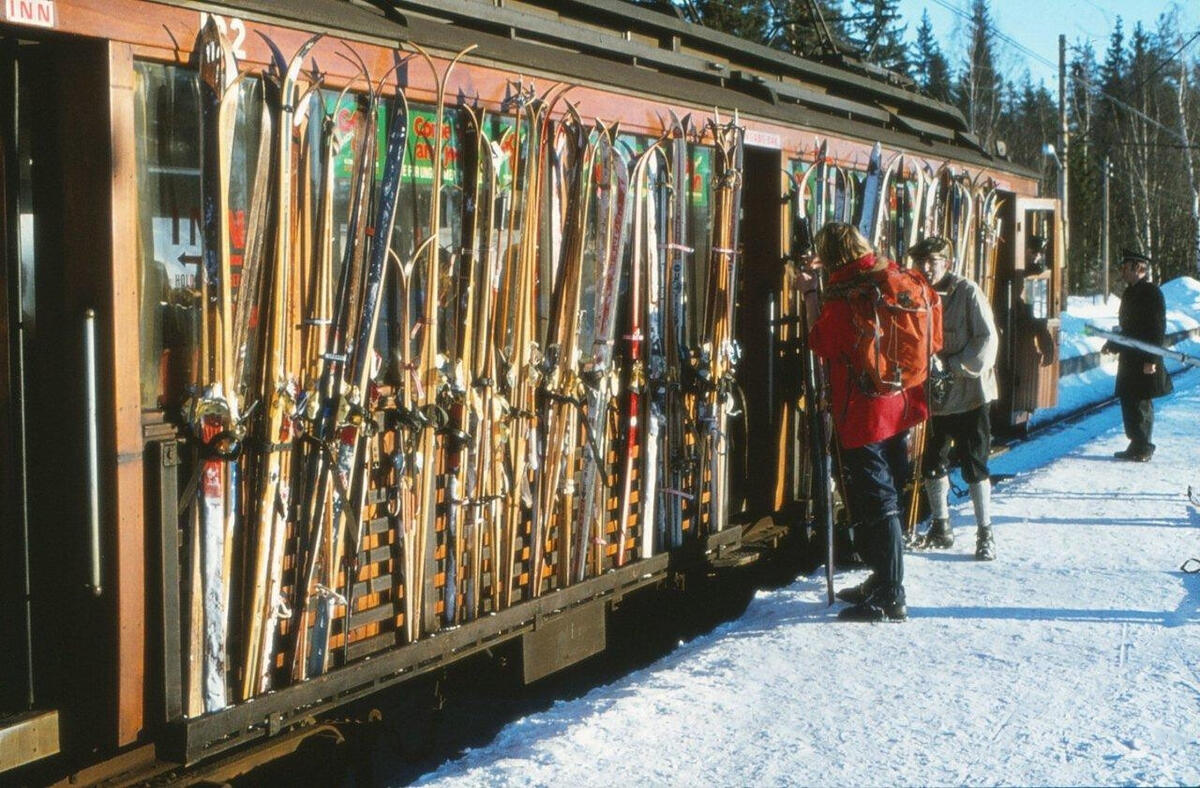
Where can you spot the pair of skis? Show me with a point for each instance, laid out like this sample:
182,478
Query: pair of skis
719,351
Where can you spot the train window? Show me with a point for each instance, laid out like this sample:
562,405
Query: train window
698,182
414,211
167,104
168,140
1038,264
1036,295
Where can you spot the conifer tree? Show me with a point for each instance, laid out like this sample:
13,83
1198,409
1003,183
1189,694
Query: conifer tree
795,30
876,27
749,19
930,68
978,90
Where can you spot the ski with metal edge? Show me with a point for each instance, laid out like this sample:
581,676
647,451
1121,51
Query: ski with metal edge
276,384
655,452
817,413
466,416
518,324
328,463
642,240
1146,347
608,222
992,233
318,303
482,161
430,373
791,480
213,411
817,175
495,482
916,197
331,463
358,425
560,385
720,314
872,194
675,331
886,205
413,424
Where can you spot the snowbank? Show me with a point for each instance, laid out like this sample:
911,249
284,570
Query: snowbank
1096,384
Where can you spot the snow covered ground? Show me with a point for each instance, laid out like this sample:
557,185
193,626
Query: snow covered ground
1074,659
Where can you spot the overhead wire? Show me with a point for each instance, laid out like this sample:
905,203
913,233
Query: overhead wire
1010,41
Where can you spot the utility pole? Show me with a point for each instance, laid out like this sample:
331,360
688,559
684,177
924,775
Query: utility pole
1107,230
1066,157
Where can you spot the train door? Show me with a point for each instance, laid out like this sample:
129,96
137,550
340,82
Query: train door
72,661
1032,293
762,184
17,699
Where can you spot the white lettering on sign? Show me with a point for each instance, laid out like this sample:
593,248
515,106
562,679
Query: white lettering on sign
762,139
39,13
228,27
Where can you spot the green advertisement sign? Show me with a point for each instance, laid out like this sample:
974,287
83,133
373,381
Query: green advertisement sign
422,146
347,120
700,175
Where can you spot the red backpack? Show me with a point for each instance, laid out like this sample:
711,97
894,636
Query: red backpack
896,318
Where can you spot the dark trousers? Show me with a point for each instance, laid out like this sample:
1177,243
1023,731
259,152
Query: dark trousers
968,435
874,475
1138,415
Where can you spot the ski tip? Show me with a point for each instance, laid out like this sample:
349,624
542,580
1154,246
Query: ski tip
277,60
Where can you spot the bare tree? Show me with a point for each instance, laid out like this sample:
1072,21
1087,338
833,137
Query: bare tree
1181,94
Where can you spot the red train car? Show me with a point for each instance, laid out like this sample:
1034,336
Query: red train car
613,463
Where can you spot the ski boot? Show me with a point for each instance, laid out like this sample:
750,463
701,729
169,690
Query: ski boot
985,544
939,536
875,608
858,594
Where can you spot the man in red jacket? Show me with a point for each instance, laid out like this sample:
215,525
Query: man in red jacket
871,428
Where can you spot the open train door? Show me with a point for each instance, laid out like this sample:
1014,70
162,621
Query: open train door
1031,289
763,181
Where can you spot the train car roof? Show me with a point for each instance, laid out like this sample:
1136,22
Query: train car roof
614,42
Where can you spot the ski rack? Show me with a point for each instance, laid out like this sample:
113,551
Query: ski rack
556,629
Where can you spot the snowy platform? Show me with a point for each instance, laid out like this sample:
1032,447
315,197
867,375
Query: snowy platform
1074,659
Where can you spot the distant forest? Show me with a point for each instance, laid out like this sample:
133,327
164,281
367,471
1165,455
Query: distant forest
1135,106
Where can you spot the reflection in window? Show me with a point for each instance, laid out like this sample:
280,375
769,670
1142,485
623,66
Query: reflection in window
167,104
1036,296
168,144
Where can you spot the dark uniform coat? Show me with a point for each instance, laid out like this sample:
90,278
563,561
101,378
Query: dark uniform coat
1143,316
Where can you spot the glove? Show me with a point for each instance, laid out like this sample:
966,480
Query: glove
939,380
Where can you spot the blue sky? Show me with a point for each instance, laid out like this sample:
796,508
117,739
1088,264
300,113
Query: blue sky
1036,25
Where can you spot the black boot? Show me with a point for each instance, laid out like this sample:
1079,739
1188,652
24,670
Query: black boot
860,593
886,600
940,535
875,608
985,544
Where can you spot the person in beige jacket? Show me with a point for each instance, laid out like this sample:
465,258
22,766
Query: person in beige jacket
962,383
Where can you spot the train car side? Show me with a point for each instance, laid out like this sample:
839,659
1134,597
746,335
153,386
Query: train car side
103,224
